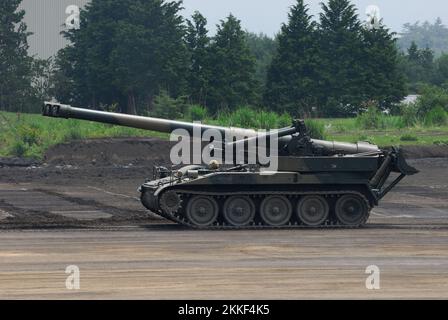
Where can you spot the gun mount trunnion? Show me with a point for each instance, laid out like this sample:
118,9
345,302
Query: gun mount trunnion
317,184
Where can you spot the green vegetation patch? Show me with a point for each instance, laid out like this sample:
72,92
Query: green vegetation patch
25,135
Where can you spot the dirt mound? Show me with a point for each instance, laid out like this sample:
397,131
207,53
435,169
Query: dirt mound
17,162
146,152
142,151
109,152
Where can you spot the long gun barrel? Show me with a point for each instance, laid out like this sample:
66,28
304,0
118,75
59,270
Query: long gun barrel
56,110
284,135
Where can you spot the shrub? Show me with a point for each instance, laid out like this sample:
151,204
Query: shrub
18,149
436,117
244,117
409,114
395,109
197,113
114,107
284,120
169,108
340,128
371,119
247,117
267,120
224,118
29,133
393,122
73,134
431,98
316,129
409,138
123,132
441,143
365,138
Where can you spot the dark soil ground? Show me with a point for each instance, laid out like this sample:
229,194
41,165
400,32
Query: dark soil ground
93,183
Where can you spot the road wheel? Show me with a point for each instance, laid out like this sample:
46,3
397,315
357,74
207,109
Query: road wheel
313,211
239,211
170,202
276,211
352,210
202,211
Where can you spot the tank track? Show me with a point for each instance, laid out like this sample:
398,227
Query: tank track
332,223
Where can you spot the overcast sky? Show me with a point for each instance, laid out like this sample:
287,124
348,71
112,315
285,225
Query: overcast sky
45,17
267,15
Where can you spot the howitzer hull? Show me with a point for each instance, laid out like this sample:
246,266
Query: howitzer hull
319,192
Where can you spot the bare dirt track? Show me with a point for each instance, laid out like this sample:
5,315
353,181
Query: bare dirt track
81,209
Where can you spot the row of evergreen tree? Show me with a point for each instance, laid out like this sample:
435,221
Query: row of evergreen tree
421,67
335,66
425,35
127,51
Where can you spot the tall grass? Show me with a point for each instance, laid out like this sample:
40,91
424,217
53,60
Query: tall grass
247,117
32,135
197,113
373,119
436,117
316,129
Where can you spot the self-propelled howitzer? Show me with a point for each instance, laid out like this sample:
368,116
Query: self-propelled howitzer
315,183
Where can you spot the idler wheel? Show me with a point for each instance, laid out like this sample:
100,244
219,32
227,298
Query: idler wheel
313,211
202,211
352,210
276,211
239,211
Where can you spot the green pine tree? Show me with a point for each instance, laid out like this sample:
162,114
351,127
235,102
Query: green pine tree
292,77
198,44
442,69
125,52
232,81
341,58
383,81
419,67
149,53
15,65
414,52
263,48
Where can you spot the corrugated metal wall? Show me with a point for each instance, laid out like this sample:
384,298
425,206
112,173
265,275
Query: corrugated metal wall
45,18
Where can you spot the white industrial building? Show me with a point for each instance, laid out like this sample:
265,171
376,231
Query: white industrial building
46,19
